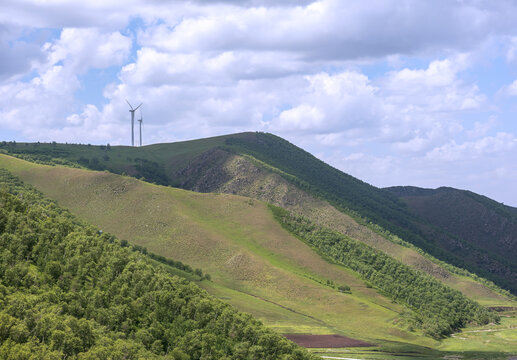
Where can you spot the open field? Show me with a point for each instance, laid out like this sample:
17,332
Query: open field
325,341
255,264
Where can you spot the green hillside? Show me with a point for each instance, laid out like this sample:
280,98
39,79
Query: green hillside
202,165
376,205
255,264
69,292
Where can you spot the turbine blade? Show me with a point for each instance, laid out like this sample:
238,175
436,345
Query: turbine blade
129,105
138,106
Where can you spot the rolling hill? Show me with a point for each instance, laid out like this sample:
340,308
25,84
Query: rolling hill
69,291
255,264
268,168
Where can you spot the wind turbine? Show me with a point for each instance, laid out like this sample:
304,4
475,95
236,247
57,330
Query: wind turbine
140,121
132,111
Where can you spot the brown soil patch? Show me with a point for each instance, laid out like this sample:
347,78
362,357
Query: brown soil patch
325,341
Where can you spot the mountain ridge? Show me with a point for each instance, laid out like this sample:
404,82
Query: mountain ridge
172,164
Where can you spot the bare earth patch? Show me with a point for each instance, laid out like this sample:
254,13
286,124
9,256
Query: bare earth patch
325,341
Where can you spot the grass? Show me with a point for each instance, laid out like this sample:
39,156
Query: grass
233,239
255,265
268,186
273,188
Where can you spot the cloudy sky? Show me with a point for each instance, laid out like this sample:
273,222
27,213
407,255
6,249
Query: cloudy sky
393,92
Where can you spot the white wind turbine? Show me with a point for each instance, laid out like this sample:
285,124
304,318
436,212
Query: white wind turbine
140,121
132,111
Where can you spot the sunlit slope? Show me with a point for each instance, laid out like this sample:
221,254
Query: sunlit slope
244,176
254,263
212,165
180,164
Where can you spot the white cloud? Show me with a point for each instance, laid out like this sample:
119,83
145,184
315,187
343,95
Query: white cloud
512,89
43,108
83,49
18,57
312,71
415,109
481,128
487,146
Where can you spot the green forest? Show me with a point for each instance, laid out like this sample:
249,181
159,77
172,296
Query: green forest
67,290
437,309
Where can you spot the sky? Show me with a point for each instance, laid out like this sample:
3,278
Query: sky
394,92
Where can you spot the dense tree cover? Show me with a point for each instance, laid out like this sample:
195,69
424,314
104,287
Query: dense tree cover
438,309
368,204
490,227
69,291
151,171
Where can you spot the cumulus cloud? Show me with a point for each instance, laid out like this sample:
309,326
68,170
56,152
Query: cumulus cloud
501,143
512,89
18,57
300,69
44,106
332,29
84,49
330,104
413,109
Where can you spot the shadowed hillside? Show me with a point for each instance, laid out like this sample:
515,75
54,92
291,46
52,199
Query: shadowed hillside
477,220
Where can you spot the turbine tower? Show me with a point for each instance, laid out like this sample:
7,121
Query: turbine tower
140,121
132,111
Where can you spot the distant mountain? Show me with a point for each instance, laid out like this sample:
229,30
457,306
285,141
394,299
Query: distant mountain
471,221
267,167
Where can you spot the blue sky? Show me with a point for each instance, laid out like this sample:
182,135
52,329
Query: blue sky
417,93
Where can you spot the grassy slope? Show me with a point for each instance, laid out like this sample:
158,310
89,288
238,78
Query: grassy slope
236,240
165,163
250,257
376,205
249,180
175,157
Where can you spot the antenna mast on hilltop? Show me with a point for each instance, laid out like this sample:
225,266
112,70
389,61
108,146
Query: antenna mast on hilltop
132,111
140,121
